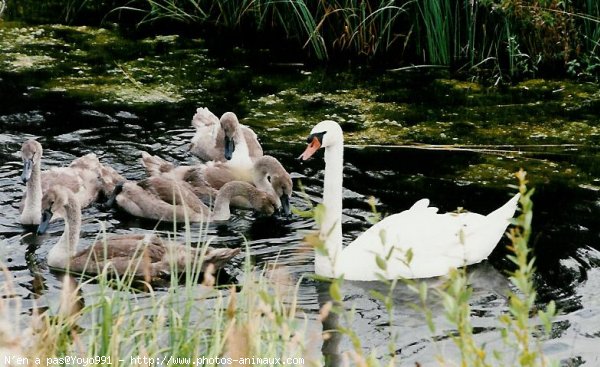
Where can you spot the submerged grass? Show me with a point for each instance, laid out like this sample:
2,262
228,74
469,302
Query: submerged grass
195,322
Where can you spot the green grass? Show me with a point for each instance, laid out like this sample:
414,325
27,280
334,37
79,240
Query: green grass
129,321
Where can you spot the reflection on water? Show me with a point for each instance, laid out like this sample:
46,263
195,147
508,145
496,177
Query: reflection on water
282,104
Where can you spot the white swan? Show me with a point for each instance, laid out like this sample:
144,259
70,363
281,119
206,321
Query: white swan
416,243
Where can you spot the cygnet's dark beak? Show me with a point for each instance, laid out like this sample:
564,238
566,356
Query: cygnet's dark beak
113,196
285,205
229,147
45,221
27,169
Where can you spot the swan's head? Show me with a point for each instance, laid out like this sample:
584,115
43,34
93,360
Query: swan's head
54,201
229,124
31,152
264,203
282,185
279,179
325,134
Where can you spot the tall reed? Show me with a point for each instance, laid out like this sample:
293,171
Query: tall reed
591,25
436,17
125,323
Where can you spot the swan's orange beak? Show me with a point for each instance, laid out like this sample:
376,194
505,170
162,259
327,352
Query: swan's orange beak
311,149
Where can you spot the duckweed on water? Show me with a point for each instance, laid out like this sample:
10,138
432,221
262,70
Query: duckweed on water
95,64
100,67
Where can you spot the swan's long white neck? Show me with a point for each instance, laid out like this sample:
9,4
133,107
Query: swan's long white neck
331,228
32,208
60,255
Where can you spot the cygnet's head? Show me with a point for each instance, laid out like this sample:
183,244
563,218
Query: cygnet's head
54,201
282,185
229,124
31,152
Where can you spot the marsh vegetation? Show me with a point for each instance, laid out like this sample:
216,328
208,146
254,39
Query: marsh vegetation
498,41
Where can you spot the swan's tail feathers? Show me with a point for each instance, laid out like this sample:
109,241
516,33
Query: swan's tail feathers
506,211
155,165
483,238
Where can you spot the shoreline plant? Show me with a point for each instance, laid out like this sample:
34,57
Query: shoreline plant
497,40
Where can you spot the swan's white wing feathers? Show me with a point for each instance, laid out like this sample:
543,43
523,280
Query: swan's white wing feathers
425,244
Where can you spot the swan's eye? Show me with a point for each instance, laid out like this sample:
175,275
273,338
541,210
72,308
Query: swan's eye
311,139
269,178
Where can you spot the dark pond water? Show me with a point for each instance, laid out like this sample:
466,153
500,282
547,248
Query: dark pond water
81,90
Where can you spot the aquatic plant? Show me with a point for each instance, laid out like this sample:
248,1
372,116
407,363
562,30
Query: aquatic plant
436,18
123,322
496,39
518,328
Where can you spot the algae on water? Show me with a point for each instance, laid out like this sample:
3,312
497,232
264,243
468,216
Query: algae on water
538,124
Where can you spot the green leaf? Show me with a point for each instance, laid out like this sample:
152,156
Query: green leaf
303,213
378,295
409,255
319,214
335,290
382,237
423,292
381,263
375,216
